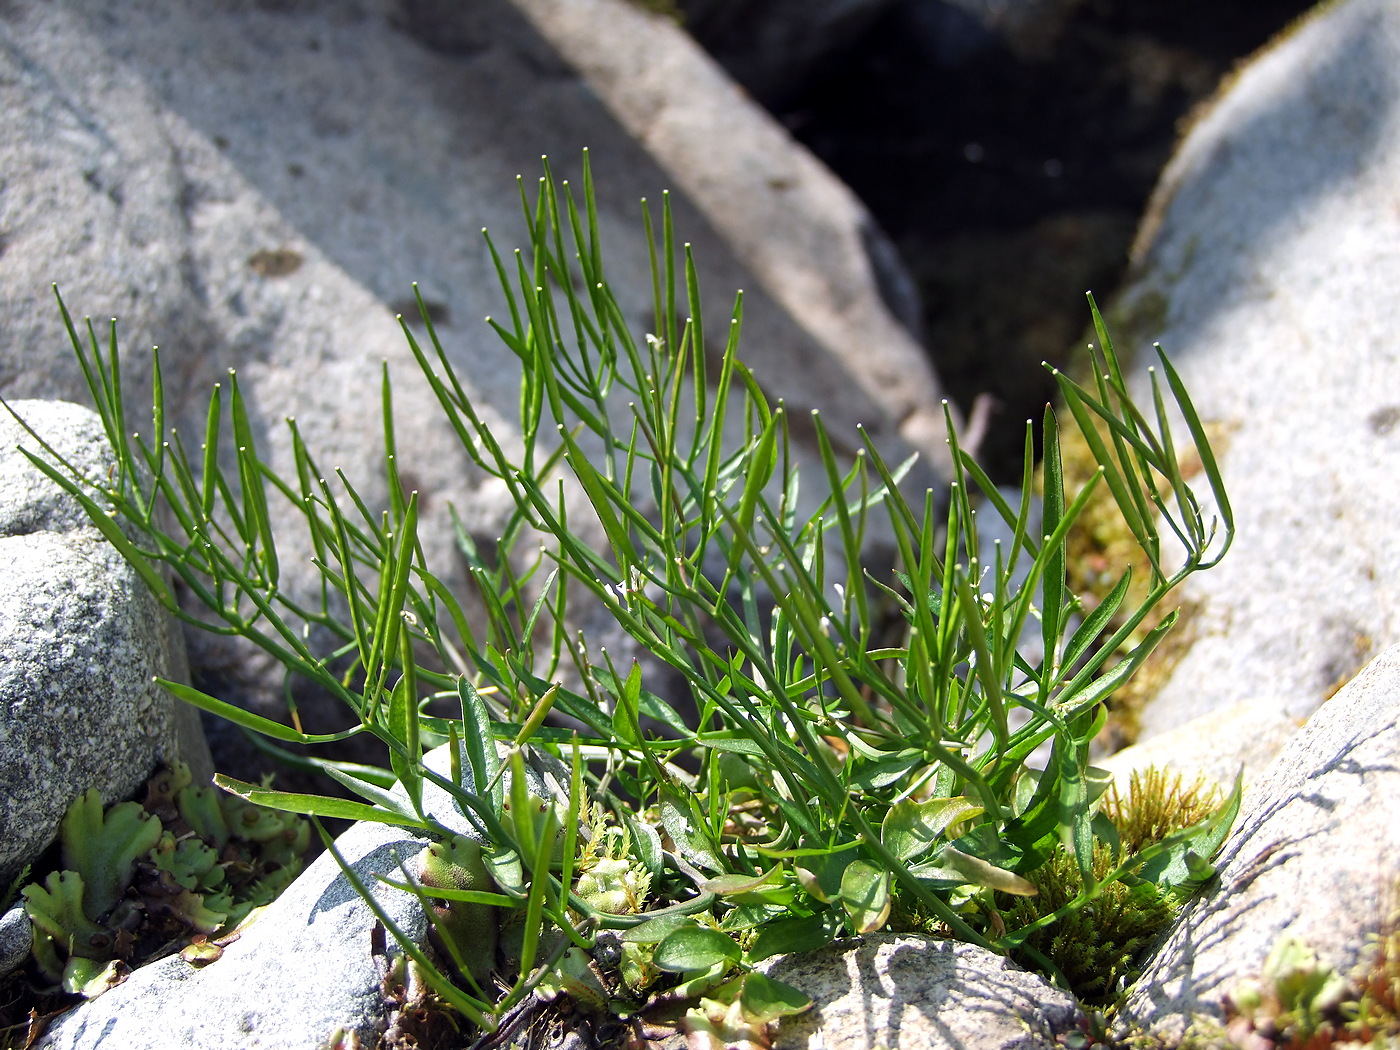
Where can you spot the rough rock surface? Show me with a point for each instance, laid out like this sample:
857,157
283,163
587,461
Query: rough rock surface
81,636
256,185
903,991
1315,854
1267,271
16,939
1244,737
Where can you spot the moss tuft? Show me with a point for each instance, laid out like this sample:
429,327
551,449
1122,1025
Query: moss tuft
1157,804
1097,947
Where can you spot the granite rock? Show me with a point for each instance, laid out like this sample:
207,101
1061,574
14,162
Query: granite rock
16,938
1266,269
905,991
81,637
1314,855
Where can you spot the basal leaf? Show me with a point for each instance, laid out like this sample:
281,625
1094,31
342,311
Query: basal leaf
764,999
693,948
789,936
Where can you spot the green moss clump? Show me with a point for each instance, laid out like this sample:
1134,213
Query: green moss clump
1156,805
1095,948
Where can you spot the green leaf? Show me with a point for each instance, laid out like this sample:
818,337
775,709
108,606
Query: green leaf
1052,510
911,828
480,743
978,872
821,873
370,792
685,823
645,703
695,948
248,720
733,885
1096,621
793,936
403,723
654,931
646,843
1183,862
507,872
865,894
316,805
872,776
1076,818
739,745
763,999
761,466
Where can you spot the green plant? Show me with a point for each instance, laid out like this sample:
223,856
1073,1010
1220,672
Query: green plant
833,774
1158,804
1095,948
139,879
1300,1003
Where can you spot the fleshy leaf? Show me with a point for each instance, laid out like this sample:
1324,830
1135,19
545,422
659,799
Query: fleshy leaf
911,828
763,999
980,873
695,948
789,936
865,894
104,848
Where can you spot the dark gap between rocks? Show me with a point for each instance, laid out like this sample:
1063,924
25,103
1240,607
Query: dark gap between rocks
1011,170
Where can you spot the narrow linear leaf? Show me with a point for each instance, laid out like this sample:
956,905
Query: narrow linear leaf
315,805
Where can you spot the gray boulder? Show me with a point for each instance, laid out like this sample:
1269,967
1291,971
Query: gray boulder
1314,855
1265,268
904,991
16,938
1242,738
257,185
81,637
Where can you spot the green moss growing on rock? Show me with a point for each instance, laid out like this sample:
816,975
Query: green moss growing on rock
1095,948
